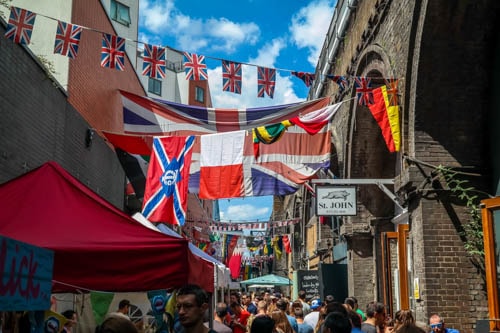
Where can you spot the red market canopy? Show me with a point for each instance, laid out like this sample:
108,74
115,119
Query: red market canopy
96,246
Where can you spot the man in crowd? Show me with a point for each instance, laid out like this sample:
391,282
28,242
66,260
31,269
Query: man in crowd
123,308
240,319
437,325
312,317
375,313
219,315
305,307
192,302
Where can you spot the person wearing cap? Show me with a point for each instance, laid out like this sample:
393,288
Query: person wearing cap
312,317
329,299
437,325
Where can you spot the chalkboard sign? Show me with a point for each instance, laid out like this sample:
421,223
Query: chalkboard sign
309,282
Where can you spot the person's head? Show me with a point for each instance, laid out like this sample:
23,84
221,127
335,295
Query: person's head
315,304
235,308
349,301
404,318
336,307
117,325
376,310
281,321
124,306
436,323
337,322
262,307
355,302
221,310
298,312
262,324
234,298
355,318
246,299
329,299
70,316
302,295
192,302
282,304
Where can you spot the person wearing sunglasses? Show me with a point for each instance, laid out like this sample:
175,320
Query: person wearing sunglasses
437,325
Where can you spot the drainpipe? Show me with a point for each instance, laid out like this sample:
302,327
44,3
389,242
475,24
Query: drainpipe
339,28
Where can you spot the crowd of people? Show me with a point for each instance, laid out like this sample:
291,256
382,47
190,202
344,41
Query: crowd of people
273,313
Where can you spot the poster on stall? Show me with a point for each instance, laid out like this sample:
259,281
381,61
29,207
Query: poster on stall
25,276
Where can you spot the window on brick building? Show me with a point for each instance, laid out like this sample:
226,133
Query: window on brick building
120,13
154,86
199,94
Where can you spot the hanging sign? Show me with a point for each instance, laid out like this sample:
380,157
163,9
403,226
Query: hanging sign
336,200
25,276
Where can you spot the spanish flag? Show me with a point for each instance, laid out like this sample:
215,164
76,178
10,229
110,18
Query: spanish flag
387,117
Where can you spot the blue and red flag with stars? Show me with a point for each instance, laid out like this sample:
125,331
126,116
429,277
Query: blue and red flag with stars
165,196
20,25
231,76
266,80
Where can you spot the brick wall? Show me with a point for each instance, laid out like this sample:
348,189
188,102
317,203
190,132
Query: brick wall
93,90
435,48
37,124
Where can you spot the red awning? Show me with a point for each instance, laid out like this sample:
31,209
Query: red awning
97,246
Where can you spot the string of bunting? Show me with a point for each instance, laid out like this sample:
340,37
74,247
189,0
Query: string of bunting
21,23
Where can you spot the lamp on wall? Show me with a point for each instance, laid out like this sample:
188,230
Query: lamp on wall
89,136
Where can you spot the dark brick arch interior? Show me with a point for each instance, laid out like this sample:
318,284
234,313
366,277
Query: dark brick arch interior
370,157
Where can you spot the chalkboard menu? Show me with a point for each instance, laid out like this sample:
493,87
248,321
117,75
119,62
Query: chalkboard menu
308,281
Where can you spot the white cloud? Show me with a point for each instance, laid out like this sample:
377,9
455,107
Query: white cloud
192,34
283,92
310,25
245,212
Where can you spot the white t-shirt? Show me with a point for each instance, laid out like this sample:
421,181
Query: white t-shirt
312,318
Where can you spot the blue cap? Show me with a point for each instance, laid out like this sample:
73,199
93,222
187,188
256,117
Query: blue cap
315,303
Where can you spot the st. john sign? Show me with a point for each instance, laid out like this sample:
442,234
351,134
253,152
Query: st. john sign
25,276
335,200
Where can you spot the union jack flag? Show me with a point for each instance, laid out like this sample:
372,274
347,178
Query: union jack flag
340,80
67,39
154,61
20,25
266,79
364,90
392,91
113,52
195,67
231,76
308,78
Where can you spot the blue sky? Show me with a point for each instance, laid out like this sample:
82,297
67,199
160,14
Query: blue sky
286,35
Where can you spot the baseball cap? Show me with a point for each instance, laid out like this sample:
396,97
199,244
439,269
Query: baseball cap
315,303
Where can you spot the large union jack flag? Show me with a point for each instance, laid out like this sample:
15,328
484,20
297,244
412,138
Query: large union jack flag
364,90
266,79
308,78
20,25
67,39
154,61
231,76
195,67
113,52
165,196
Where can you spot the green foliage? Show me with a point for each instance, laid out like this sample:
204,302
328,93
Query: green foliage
473,228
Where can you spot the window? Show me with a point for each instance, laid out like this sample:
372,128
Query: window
120,13
199,94
154,86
